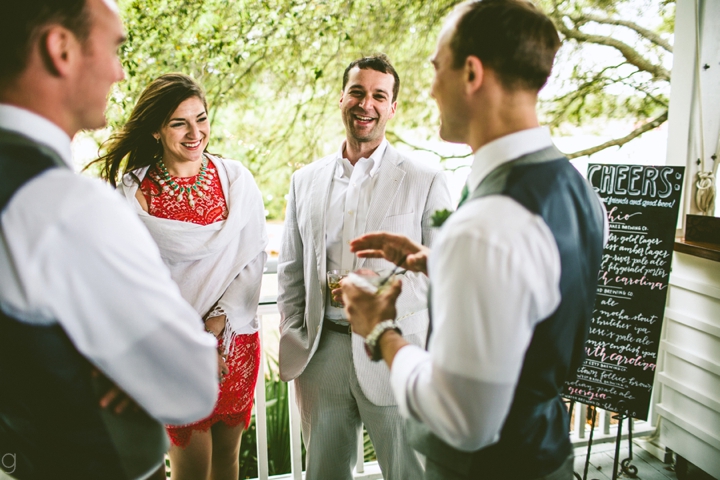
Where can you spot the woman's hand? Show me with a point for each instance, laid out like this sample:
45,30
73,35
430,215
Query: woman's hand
222,366
216,325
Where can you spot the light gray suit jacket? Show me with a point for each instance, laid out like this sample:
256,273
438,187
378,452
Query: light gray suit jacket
405,195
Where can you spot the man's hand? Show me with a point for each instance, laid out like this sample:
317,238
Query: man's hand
397,249
337,295
364,310
115,398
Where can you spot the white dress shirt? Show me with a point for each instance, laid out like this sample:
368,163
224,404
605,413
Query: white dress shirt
73,252
495,273
347,211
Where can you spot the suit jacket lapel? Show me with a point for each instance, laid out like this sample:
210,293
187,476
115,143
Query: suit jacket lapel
390,177
319,200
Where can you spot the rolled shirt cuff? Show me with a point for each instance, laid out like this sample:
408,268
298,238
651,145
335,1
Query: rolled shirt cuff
407,366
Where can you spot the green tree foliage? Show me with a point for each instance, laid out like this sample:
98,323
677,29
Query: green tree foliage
614,63
273,69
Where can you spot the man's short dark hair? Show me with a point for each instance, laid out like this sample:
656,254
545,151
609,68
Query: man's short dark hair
380,63
511,37
20,27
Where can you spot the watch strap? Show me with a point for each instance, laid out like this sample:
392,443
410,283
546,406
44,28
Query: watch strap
372,341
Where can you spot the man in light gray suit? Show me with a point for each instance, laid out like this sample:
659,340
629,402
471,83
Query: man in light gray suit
365,186
514,271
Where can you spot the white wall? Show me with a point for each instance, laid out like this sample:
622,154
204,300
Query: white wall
687,388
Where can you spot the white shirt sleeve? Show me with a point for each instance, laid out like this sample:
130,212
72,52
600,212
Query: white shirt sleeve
495,274
83,258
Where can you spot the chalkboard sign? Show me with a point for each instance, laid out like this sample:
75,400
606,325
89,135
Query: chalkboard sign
642,205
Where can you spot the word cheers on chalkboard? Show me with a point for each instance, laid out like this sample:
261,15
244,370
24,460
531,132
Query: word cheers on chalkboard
642,206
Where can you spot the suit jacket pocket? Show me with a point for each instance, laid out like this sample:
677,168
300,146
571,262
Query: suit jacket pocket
403,224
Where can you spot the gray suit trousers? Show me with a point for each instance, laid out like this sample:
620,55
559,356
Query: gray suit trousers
333,407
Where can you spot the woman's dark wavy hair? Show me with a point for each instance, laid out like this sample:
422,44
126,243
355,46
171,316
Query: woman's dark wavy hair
134,146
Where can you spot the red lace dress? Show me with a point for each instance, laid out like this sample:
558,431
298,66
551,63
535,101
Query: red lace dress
235,401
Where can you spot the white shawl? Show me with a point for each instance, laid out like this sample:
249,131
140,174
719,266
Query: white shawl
222,262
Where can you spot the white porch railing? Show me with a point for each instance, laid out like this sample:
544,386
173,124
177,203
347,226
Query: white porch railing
605,430
363,471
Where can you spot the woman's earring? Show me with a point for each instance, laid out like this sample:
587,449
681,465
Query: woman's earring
157,139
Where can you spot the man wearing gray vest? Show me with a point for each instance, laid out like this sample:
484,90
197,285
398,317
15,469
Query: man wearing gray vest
87,306
513,272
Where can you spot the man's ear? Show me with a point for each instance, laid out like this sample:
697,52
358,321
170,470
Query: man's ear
59,49
474,73
393,108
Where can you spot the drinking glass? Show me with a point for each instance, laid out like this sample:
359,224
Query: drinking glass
333,281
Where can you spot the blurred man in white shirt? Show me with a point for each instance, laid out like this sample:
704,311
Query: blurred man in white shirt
84,294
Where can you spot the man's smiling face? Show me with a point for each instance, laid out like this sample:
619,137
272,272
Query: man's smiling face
367,104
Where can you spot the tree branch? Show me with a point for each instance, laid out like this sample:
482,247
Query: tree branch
630,54
595,83
646,92
398,139
619,142
643,32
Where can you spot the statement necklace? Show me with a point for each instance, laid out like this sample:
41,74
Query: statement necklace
202,182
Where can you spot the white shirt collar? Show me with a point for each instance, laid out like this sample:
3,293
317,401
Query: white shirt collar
38,128
490,156
345,168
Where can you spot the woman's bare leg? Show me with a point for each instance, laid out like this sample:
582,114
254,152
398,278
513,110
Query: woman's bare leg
192,462
225,452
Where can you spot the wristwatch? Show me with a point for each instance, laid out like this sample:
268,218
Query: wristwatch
372,341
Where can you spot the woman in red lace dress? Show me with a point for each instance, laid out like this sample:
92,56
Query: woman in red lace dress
207,217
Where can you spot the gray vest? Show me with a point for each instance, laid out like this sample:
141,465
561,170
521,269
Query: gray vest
534,439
